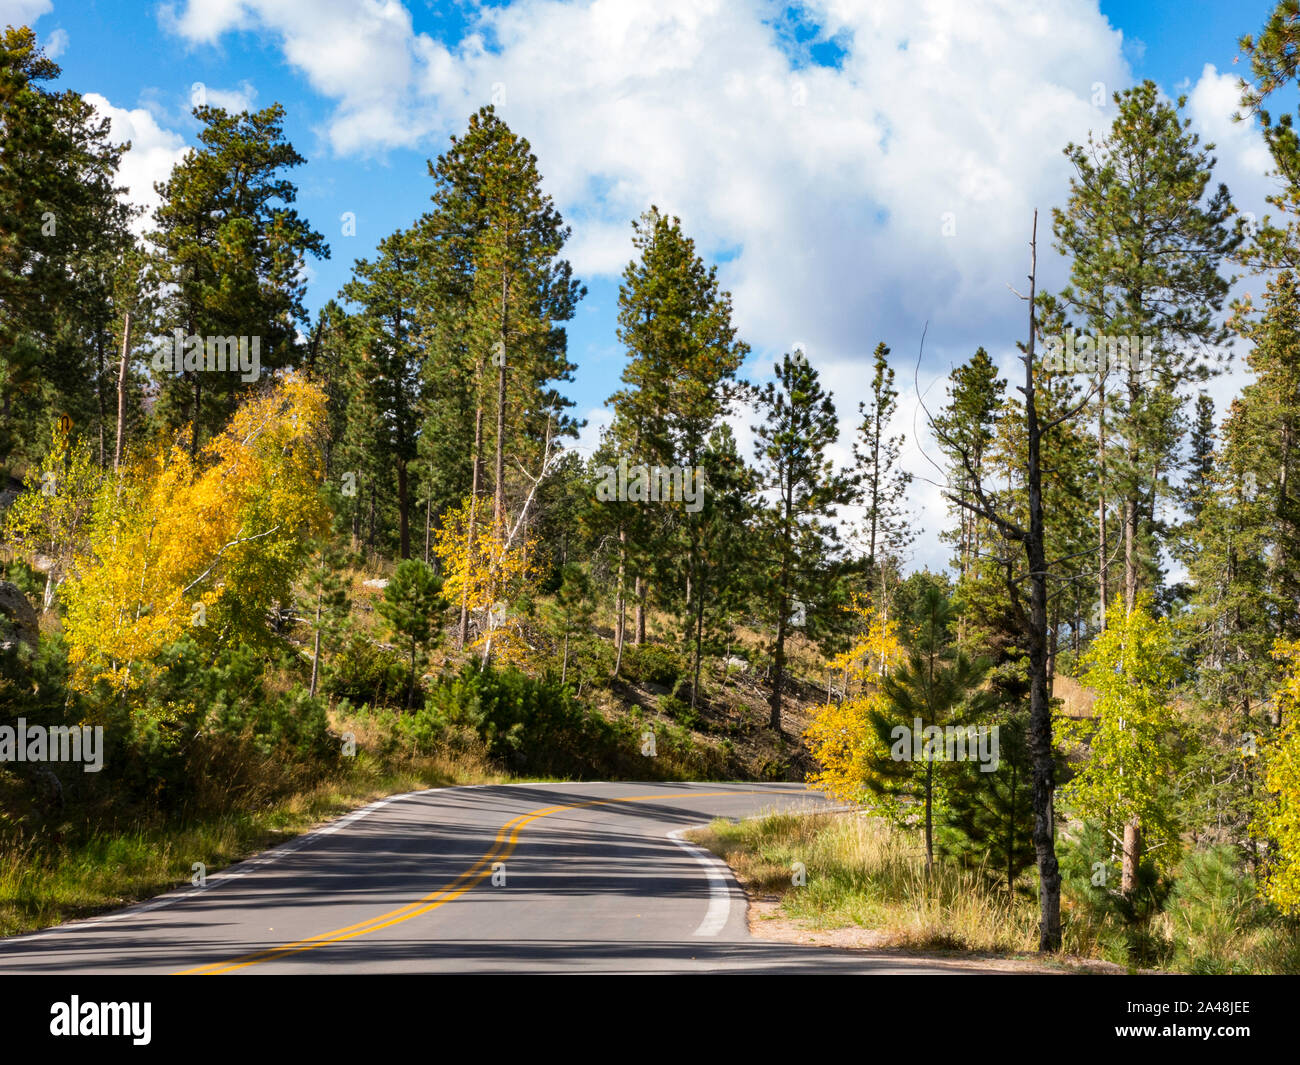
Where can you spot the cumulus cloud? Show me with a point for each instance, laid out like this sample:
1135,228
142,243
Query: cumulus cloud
856,202
56,43
154,151
234,100
23,12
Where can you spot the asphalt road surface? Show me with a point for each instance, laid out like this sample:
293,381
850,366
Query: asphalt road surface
557,878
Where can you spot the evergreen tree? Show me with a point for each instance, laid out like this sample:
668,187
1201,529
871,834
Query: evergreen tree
799,565
883,484
231,249
387,294
934,687
1145,245
411,605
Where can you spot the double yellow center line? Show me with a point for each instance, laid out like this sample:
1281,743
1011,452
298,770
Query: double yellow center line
502,847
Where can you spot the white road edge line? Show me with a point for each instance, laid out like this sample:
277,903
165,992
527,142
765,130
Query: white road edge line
249,864
275,853
715,918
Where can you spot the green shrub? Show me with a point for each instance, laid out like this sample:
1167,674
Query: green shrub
527,725
363,672
1212,905
653,664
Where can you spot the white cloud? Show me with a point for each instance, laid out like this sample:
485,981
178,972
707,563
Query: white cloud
154,151
1243,157
829,187
232,100
23,12
56,43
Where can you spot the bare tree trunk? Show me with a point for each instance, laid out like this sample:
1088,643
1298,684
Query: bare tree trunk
1131,501
622,602
315,654
778,671
403,513
638,636
499,496
99,393
1128,882
1040,702
121,390
1102,562
473,513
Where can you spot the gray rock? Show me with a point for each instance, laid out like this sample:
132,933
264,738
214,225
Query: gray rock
20,614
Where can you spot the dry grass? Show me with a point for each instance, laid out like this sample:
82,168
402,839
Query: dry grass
43,884
1076,700
860,872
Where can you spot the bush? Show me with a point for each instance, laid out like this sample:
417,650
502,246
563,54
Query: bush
527,725
653,664
679,710
1212,905
363,672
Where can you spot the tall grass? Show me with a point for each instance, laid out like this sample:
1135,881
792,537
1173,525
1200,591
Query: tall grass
863,872
860,872
47,878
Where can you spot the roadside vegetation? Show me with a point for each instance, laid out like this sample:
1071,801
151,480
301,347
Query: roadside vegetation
858,871
274,562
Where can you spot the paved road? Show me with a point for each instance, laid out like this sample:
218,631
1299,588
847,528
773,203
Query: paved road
592,882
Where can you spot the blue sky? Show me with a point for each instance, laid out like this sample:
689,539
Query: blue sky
814,152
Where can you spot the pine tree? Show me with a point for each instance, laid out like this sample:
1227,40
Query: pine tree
678,384
63,238
386,292
1145,247
231,250
883,484
411,605
497,241
799,565
935,687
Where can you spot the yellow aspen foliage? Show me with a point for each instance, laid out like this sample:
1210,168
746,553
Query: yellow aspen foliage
198,547
52,516
1279,816
841,736
487,575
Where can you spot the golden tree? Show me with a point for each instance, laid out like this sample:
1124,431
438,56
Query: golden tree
487,572
841,736
1279,815
202,546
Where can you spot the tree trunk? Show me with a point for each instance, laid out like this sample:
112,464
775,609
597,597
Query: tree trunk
499,496
476,463
1131,501
315,654
99,393
929,817
1128,881
778,670
403,513
1040,703
1102,561
699,648
622,602
121,390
